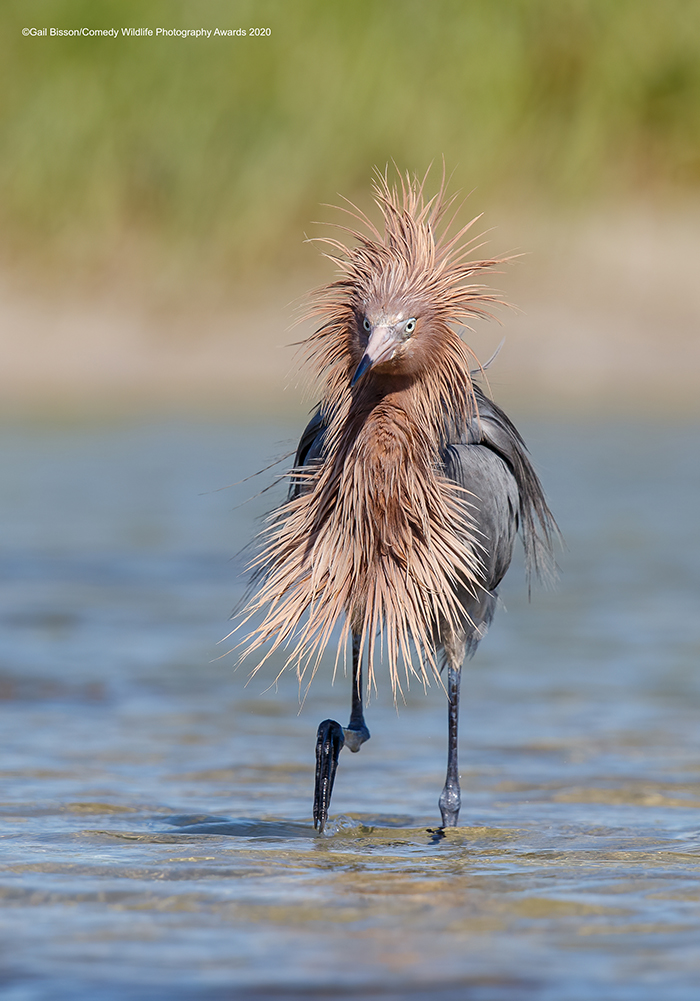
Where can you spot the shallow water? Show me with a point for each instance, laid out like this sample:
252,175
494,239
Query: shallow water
156,836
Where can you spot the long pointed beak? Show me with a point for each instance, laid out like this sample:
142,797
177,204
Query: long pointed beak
380,347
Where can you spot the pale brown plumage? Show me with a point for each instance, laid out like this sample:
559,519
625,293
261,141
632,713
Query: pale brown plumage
374,533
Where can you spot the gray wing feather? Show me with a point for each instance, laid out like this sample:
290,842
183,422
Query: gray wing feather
491,462
494,503
538,528
309,449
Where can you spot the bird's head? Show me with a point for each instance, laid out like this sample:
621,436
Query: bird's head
402,289
388,342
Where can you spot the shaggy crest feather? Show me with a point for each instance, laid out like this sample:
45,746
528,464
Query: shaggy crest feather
372,531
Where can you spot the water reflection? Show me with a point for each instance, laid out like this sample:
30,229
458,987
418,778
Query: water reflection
156,832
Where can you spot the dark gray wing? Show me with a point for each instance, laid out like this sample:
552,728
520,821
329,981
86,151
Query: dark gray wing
494,430
309,449
493,503
490,461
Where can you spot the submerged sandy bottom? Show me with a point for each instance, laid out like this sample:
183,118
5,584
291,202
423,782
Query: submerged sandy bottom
156,837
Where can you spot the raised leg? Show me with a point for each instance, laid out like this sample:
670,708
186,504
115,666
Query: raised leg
356,732
450,798
332,737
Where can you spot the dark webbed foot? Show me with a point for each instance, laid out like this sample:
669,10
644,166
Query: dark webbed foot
329,743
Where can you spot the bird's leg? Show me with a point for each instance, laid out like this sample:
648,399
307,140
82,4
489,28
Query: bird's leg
356,732
332,737
450,798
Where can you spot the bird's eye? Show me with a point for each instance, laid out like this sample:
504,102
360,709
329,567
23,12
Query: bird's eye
367,325
410,325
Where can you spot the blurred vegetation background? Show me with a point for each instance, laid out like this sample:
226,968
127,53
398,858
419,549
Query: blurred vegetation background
190,169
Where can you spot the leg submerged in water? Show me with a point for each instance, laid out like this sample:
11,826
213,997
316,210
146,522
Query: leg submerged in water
332,737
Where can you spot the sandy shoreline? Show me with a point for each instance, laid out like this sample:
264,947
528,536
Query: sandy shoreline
609,319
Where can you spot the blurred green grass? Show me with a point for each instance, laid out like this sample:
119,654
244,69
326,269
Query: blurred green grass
212,156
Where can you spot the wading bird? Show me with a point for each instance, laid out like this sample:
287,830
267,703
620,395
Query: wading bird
409,484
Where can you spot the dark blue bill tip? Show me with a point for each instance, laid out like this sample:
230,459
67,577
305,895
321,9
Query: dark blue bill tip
365,364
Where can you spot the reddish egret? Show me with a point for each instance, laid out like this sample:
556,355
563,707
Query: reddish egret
409,484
